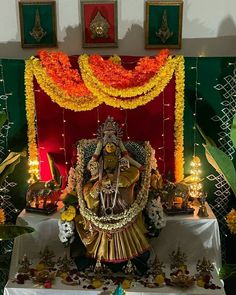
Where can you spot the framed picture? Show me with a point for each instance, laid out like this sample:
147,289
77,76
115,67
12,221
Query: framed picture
38,24
99,23
163,24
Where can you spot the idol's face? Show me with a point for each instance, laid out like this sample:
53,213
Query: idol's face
110,148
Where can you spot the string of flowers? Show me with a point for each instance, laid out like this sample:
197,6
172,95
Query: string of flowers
59,69
178,125
75,103
121,78
30,115
130,92
162,79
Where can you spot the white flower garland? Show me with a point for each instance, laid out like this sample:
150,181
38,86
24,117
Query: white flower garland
66,231
116,221
155,213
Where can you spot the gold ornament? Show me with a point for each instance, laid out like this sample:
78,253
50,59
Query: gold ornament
164,32
37,32
99,27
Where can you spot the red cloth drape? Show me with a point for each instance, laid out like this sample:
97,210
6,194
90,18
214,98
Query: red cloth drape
59,128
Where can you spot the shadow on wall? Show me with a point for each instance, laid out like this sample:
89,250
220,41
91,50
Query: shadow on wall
133,43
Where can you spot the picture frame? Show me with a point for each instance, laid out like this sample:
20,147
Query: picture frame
38,24
163,24
99,23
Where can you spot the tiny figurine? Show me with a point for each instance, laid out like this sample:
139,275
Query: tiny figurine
25,265
202,212
129,268
98,266
180,275
64,264
204,277
46,257
178,260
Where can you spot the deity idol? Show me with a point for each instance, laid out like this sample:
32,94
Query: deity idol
113,197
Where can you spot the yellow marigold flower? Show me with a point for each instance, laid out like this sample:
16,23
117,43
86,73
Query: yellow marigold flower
2,216
231,221
68,214
115,59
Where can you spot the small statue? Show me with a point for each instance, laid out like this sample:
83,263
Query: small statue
129,268
156,267
64,263
46,257
204,267
178,260
98,266
25,265
202,212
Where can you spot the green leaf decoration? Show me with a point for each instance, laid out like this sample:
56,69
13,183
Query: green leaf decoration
233,131
222,164
9,164
227,270
3,118
54,170
207,139
9,232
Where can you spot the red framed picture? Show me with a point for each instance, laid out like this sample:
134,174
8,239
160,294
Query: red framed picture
99,23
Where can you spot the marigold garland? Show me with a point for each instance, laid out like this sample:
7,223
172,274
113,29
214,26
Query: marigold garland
231,221
114,75
2,216
179,117
58,67
99,93
30,115
130,92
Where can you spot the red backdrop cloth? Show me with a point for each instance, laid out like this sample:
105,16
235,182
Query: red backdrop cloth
143,123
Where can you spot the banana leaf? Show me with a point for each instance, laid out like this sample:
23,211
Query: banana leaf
9,164
233,131
54,170
3,118
207,139
222,164
9,232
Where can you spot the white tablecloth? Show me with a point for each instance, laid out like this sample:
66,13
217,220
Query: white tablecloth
197,237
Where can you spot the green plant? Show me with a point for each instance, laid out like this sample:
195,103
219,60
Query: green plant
7,166
219,159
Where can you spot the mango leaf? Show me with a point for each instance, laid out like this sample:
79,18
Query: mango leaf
8,165
3,118
222,164
54,170
9,232
233,131
207,139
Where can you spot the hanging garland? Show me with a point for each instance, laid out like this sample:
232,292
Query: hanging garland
30,115
179,117
121,78
85,91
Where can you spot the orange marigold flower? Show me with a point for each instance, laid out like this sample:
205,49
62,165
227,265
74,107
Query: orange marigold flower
231,221
2,216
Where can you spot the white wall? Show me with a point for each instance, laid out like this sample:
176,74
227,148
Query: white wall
209,29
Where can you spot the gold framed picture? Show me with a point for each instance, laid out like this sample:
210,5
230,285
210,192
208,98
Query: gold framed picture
38,24
163,24
99,23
